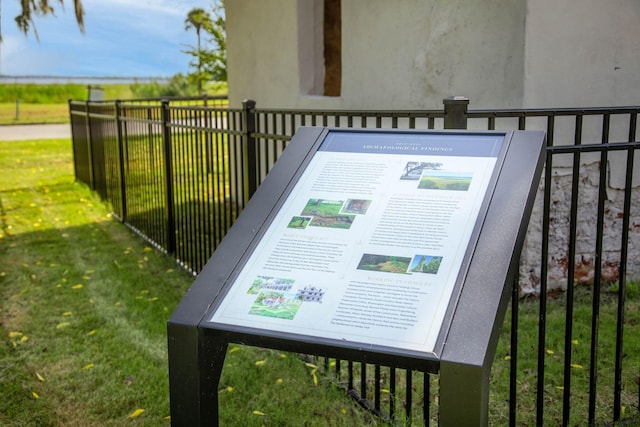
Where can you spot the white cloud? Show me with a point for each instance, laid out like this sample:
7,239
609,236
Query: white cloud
123,37
148,7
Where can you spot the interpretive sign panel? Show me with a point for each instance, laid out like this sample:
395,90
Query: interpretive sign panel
369,244
392,247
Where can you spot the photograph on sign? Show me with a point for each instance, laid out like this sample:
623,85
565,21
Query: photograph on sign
369,243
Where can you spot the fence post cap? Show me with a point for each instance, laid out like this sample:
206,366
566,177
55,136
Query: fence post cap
456,100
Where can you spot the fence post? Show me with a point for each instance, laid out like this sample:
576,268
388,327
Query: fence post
249,163
92,173
168,163
122,157
455,112
74,142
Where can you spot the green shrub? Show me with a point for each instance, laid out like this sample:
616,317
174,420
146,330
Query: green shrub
179,85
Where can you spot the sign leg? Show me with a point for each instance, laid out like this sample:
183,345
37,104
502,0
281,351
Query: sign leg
195,366
464,396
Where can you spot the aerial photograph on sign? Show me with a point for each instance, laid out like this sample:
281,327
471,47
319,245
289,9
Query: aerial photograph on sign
386,263
441,180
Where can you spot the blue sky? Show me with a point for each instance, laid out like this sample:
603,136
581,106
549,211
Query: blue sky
123,38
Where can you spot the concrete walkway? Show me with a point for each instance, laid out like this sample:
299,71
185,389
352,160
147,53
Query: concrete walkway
26,132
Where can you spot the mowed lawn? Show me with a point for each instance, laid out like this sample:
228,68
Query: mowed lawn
83,309
84,304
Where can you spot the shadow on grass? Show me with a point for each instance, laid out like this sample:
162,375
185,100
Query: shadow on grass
82,317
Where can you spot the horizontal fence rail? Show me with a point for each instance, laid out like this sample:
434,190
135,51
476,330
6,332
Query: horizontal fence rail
179,171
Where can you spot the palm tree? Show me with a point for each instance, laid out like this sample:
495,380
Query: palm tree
198,18
41,8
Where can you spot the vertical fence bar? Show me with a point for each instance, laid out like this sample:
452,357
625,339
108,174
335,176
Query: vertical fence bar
392,393
225,155
260,146
595,310
216,168
363,381
408,397
426,413
168,163
74,138
92,177
573,224
544,266
513,362
121,148
376,390
178,182
350,375
223,151
159,202
250,149
622,271
235,164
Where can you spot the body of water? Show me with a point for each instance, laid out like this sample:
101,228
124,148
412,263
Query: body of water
7,79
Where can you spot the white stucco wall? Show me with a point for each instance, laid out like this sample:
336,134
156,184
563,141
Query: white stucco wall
395,55
582,53
261,51
411,54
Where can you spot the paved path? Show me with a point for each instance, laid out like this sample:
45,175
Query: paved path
22,132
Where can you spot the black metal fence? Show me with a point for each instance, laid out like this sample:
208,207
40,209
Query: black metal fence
178,172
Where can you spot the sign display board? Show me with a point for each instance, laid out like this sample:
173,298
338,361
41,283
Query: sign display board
370,243
392,247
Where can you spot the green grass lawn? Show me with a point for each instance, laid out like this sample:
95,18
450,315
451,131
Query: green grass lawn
554,358
83,310
26,113
84,304
47,103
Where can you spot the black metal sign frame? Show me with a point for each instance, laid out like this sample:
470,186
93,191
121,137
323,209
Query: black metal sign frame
467,335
